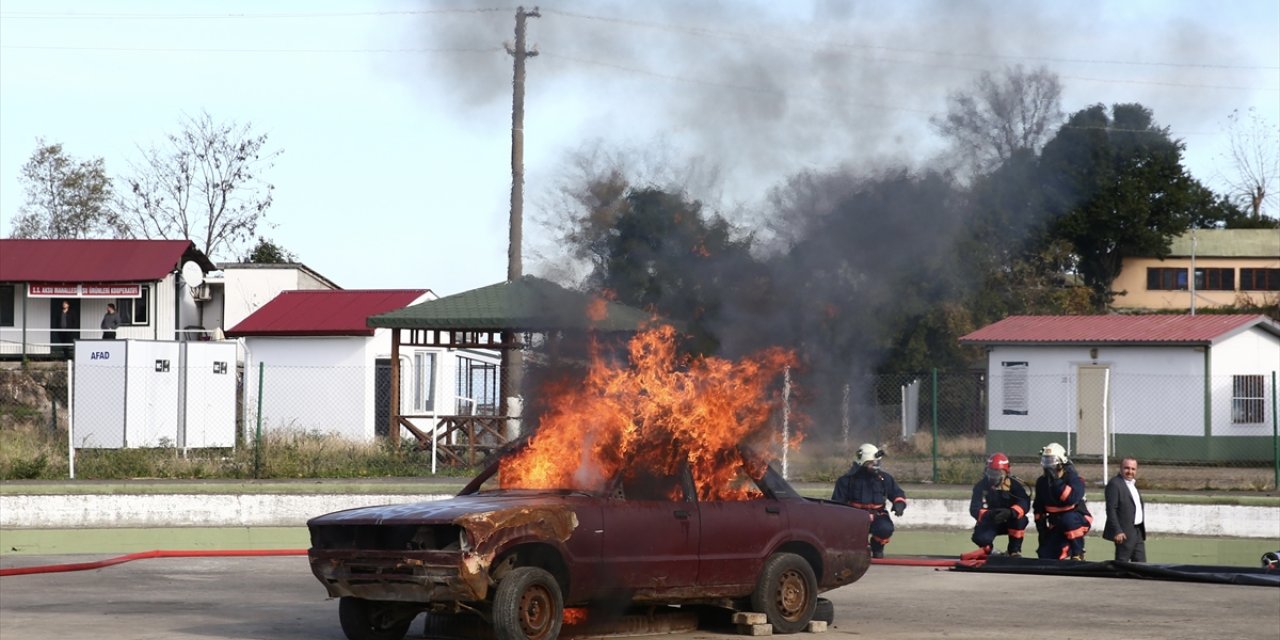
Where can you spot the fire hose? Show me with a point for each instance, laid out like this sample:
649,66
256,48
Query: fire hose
142,555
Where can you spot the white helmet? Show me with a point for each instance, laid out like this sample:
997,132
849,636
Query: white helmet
869,453
1053,455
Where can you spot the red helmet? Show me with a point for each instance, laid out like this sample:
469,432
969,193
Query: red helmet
998,461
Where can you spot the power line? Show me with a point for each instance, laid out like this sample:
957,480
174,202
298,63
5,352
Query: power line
494,49
39,15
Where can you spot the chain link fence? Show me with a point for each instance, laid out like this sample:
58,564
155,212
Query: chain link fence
1188,431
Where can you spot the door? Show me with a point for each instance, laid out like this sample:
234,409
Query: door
650,536
1092,408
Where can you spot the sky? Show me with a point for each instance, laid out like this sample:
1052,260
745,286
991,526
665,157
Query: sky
394,117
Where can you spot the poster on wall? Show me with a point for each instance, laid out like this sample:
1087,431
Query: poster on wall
1014,376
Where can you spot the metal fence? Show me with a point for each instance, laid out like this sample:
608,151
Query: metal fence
941,425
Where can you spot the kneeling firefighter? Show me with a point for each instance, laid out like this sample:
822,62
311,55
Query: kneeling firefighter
866,486
999,506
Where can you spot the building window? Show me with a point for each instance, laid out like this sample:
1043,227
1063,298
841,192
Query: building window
1248,399
424,381
135,311
1260,279
476,387
7,305
1166,279
1216,279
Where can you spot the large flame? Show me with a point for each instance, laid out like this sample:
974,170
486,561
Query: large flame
653,414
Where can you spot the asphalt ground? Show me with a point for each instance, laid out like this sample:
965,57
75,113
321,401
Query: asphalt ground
277,598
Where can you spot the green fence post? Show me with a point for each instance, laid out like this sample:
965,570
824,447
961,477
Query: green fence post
935,425
257,445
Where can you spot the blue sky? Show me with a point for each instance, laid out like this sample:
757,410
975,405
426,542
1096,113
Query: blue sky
394,117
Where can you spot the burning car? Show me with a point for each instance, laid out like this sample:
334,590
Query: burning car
519,557
647,481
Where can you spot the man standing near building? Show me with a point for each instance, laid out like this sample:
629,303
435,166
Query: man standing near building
1126,522
110,321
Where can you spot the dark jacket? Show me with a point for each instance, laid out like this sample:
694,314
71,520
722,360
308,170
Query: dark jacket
1121,511
1013,495
867,489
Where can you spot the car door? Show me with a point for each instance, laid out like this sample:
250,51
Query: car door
737,536
650,535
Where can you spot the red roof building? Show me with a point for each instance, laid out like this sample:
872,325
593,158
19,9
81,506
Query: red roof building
74,261
1203,329
324,312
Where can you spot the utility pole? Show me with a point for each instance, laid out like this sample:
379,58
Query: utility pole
512,357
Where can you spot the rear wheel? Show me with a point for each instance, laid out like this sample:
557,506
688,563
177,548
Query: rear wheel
528,605
787,592
372,620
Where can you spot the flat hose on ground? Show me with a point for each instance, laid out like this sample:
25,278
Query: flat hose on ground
142,555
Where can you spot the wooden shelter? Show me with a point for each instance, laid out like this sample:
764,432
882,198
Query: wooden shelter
503,316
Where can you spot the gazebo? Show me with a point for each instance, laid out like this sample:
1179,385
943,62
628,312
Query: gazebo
508,315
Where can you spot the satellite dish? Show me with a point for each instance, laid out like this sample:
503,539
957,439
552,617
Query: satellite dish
192,274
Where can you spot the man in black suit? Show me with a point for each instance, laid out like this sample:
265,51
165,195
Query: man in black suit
1126,524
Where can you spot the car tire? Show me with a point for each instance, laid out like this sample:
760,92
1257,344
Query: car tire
787,593
370,620
528,605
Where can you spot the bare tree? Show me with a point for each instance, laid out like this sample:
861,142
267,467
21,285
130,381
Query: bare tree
203,184
1255,158
1001,114
66,198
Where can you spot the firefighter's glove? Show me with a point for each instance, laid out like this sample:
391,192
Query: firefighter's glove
1001,516
898,508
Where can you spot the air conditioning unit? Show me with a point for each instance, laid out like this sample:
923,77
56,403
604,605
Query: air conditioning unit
202,293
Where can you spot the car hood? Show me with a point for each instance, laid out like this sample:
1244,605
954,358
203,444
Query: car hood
448,510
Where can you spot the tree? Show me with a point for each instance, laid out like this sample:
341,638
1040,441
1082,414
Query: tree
204,184
1116,187
268,252
66,198
1001,115
1255,158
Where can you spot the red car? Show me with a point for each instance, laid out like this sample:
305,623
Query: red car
517,558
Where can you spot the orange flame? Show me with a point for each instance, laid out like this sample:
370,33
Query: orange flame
658,412
574,615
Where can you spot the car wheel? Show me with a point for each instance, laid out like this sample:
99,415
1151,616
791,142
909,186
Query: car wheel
370,620
528,605
787,592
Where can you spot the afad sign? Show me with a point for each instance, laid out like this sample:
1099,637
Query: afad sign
85,290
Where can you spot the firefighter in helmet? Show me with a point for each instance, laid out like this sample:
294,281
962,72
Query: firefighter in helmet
999,506
866,486
1061,512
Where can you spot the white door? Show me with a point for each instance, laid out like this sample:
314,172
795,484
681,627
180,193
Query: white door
1091,409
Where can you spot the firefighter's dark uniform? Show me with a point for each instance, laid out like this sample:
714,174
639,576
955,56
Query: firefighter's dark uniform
1062,515
868,488
988,498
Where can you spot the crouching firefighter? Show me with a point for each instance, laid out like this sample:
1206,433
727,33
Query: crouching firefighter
999,506
1061,512
866,487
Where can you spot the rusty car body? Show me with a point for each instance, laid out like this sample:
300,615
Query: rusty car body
517,558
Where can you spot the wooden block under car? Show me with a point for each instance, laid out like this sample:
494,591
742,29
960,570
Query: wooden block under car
817,626
749,617
755,629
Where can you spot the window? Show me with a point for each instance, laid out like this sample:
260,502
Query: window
1166,279
135,311
1260,279
1216,279
1248,399
424,381
7,305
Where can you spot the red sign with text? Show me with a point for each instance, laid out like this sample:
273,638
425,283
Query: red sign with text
88,290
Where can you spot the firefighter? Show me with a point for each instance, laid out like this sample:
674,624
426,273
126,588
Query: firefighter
999,506
865,486
1061,512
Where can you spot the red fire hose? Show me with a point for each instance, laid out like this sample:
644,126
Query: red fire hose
141,555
